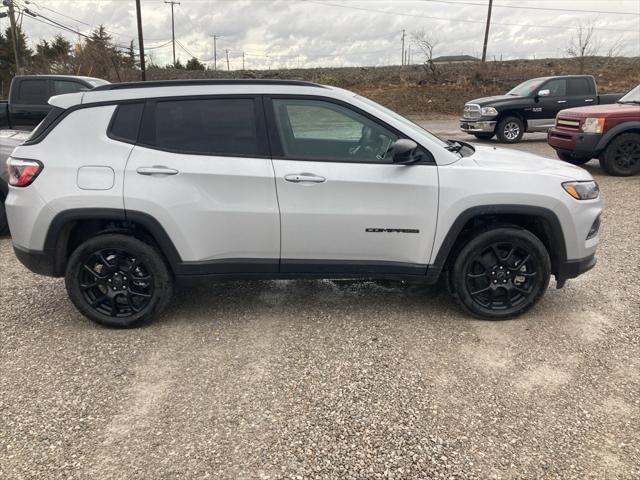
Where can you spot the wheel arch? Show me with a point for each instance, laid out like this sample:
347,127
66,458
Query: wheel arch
610,136
540,221
512,113
71,227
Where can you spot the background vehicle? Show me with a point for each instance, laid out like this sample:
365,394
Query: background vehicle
532,106
29,96
608,132
130,186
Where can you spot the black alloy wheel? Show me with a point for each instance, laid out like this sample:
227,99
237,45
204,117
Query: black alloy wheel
622,157
501,273
117,280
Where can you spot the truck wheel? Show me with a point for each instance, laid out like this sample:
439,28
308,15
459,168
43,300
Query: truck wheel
569,158
484,136
622,156
118,281
510,130
501,273
4,225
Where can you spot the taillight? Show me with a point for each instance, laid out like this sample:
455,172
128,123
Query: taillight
22,173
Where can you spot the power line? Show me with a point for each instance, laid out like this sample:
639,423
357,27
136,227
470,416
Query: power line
522,7
456,20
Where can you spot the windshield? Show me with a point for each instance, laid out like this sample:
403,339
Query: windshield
525,89
632,97
402,119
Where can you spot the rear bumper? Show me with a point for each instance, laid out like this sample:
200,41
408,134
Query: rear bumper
578,143
477,126
42,263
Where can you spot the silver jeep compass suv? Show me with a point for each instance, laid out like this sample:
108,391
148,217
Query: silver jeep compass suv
127,188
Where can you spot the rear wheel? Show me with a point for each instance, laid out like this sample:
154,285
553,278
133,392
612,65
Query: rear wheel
484,136
118,281
510,130
622,156
4,225
501,273
569,158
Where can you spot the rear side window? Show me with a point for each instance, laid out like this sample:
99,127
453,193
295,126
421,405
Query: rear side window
212,126
33,92
579,86
61,87
45,126
126,122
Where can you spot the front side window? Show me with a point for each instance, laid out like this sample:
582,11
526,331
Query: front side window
557,87
219,126
321,130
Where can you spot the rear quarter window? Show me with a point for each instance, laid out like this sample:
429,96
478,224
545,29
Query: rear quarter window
125,123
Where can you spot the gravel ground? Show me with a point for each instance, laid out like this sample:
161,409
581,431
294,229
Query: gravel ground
335,380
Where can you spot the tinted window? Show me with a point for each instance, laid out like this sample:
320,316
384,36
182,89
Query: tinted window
314,129
557,87
219,126
579,86
33,92
64,86
126,122
45,125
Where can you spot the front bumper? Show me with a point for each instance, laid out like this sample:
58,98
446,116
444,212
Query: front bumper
477,126
573,141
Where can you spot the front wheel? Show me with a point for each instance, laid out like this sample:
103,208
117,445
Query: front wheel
501,273
118,281
622,156
510,130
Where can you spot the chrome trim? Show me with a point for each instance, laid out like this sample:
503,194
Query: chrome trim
472,111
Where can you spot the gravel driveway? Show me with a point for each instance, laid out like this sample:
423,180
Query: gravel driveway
335,380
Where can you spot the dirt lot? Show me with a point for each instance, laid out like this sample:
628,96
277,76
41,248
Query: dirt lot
339,380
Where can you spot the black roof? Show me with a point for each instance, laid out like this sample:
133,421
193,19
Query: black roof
177,83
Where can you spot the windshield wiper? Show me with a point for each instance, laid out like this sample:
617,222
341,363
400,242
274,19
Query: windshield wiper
454,146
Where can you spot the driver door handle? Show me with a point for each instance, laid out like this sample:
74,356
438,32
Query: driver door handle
304,178
157,170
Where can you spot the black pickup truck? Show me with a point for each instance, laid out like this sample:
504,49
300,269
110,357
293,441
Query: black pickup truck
532,106
29,94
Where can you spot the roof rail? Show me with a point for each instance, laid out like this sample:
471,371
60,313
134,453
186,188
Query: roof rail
179,83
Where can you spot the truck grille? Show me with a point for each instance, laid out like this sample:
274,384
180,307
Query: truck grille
568,123
471,111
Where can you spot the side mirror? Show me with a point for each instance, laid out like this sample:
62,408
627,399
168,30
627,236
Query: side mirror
544,93
403,151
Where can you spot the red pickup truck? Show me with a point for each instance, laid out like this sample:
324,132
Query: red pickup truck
610,133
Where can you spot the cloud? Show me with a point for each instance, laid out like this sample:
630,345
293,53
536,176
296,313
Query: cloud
288,33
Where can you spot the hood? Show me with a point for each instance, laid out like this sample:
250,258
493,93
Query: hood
496,100
504,159
609,110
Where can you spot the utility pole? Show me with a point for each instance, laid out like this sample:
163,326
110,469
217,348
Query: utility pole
243,60
173,29
227,51
486,33
14,33
215,51
143,70
403,35
409,56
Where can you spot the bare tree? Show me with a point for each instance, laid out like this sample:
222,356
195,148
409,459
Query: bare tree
616,47
427,45
583,44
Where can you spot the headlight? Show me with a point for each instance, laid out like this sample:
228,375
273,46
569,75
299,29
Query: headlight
593,125
489,112
582,190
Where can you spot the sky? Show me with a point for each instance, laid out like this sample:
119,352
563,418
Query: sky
310,33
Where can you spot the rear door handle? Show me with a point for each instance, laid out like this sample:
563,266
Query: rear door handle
589,100
156,170
304,178
562,101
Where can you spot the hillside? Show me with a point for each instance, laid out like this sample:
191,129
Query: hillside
410,90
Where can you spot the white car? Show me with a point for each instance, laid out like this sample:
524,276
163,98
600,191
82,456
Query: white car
127,188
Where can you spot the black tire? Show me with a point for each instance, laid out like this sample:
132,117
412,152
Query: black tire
127,279
501,273
621,158
569,158
484,136
510,130
4,225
